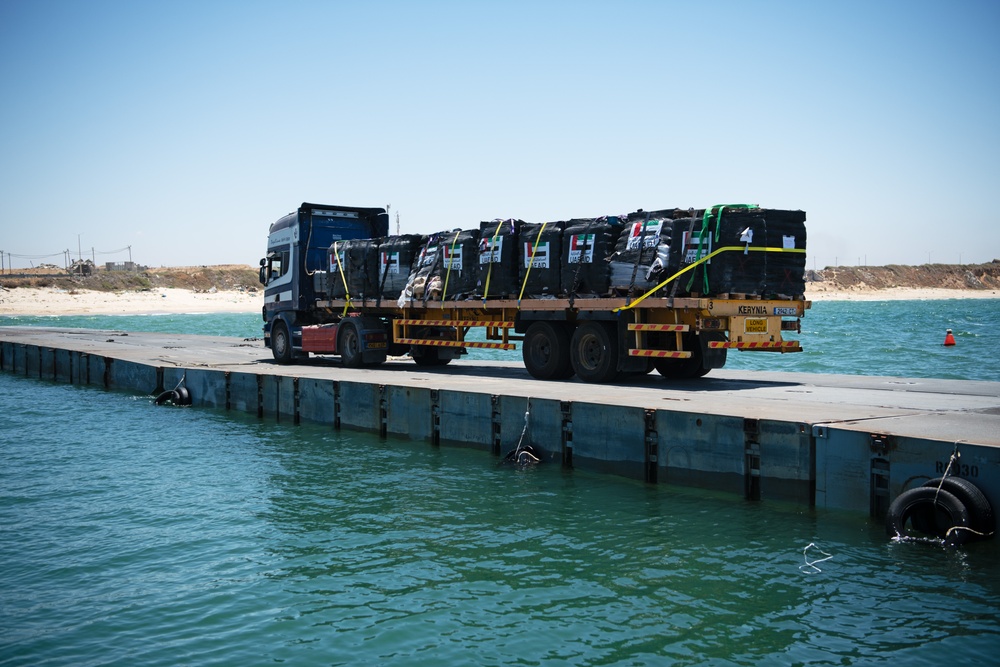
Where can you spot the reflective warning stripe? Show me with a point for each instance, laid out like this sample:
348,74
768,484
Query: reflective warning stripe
659,327
659,354
787,345
457,323
454,343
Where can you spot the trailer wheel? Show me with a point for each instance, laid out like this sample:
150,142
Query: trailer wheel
281,342
349,345
684,369
428,356
594,352
546,351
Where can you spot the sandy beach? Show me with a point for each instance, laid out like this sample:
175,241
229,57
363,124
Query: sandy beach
53,301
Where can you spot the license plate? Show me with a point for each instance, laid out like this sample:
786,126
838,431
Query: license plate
784,311
755,326
376,346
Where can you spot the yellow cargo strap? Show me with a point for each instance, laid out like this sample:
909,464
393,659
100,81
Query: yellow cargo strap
728,248
528,272
444,292
340,267
489,271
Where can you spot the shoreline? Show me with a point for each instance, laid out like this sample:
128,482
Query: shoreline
49,301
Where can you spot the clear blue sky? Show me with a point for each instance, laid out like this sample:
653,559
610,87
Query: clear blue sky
183,129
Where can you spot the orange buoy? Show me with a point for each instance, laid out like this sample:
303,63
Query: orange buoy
949,339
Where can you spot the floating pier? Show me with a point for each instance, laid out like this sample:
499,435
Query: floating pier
829,441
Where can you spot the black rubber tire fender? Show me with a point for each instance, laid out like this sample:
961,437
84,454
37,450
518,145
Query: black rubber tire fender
183,396
940,513
167,396
981,517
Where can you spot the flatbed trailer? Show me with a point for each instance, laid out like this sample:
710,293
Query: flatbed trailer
595,338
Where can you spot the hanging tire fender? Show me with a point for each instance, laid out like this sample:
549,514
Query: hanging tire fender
931,506
166,396
981,517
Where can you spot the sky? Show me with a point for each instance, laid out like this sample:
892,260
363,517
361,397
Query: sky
174,133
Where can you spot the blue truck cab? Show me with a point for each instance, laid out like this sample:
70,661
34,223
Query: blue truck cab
298,247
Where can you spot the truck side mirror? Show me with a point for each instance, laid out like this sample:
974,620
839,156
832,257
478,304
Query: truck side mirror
263,273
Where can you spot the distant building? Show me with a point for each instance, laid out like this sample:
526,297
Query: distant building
119,266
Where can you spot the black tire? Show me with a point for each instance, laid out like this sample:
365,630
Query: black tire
927,511
981,517
349,345
183,396
684,369
545,351
281,343
428,357
166,397
594,352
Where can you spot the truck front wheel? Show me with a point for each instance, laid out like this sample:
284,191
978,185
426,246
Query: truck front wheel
594,352
546,351
281,343
349,346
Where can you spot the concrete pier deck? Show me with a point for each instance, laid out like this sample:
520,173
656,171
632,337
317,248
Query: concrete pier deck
848,442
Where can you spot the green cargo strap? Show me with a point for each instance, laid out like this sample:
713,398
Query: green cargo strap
489,271
705,221
528,272
447,275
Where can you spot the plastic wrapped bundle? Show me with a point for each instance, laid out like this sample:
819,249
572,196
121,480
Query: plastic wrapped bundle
784,275
498,259
586,247
396,255
358,265
446,267
540,248
642,258
730,272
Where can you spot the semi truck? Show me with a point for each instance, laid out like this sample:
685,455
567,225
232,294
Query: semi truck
597,298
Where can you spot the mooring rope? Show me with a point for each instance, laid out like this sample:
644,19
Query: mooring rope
811,565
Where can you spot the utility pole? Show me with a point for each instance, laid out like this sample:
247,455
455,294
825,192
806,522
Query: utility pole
79,250
130,254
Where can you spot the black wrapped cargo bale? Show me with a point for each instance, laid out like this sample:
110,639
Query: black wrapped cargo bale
642,259
498,259
446,268
752,271
785,271
586,247
685,241
540,248
357,265
396,255
732,272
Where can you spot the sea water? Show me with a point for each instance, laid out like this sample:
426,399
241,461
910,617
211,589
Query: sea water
139,534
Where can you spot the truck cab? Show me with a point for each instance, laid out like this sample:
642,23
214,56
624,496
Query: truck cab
297,250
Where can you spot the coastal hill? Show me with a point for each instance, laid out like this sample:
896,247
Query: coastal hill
946,276
244,278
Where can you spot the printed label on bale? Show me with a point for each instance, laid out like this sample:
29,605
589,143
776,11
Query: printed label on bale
452,257
581,249
537,258
691,241
490,250
392,261
646,232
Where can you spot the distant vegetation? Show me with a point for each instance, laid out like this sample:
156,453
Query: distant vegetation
198,278
948,276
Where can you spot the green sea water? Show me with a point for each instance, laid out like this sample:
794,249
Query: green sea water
132,534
